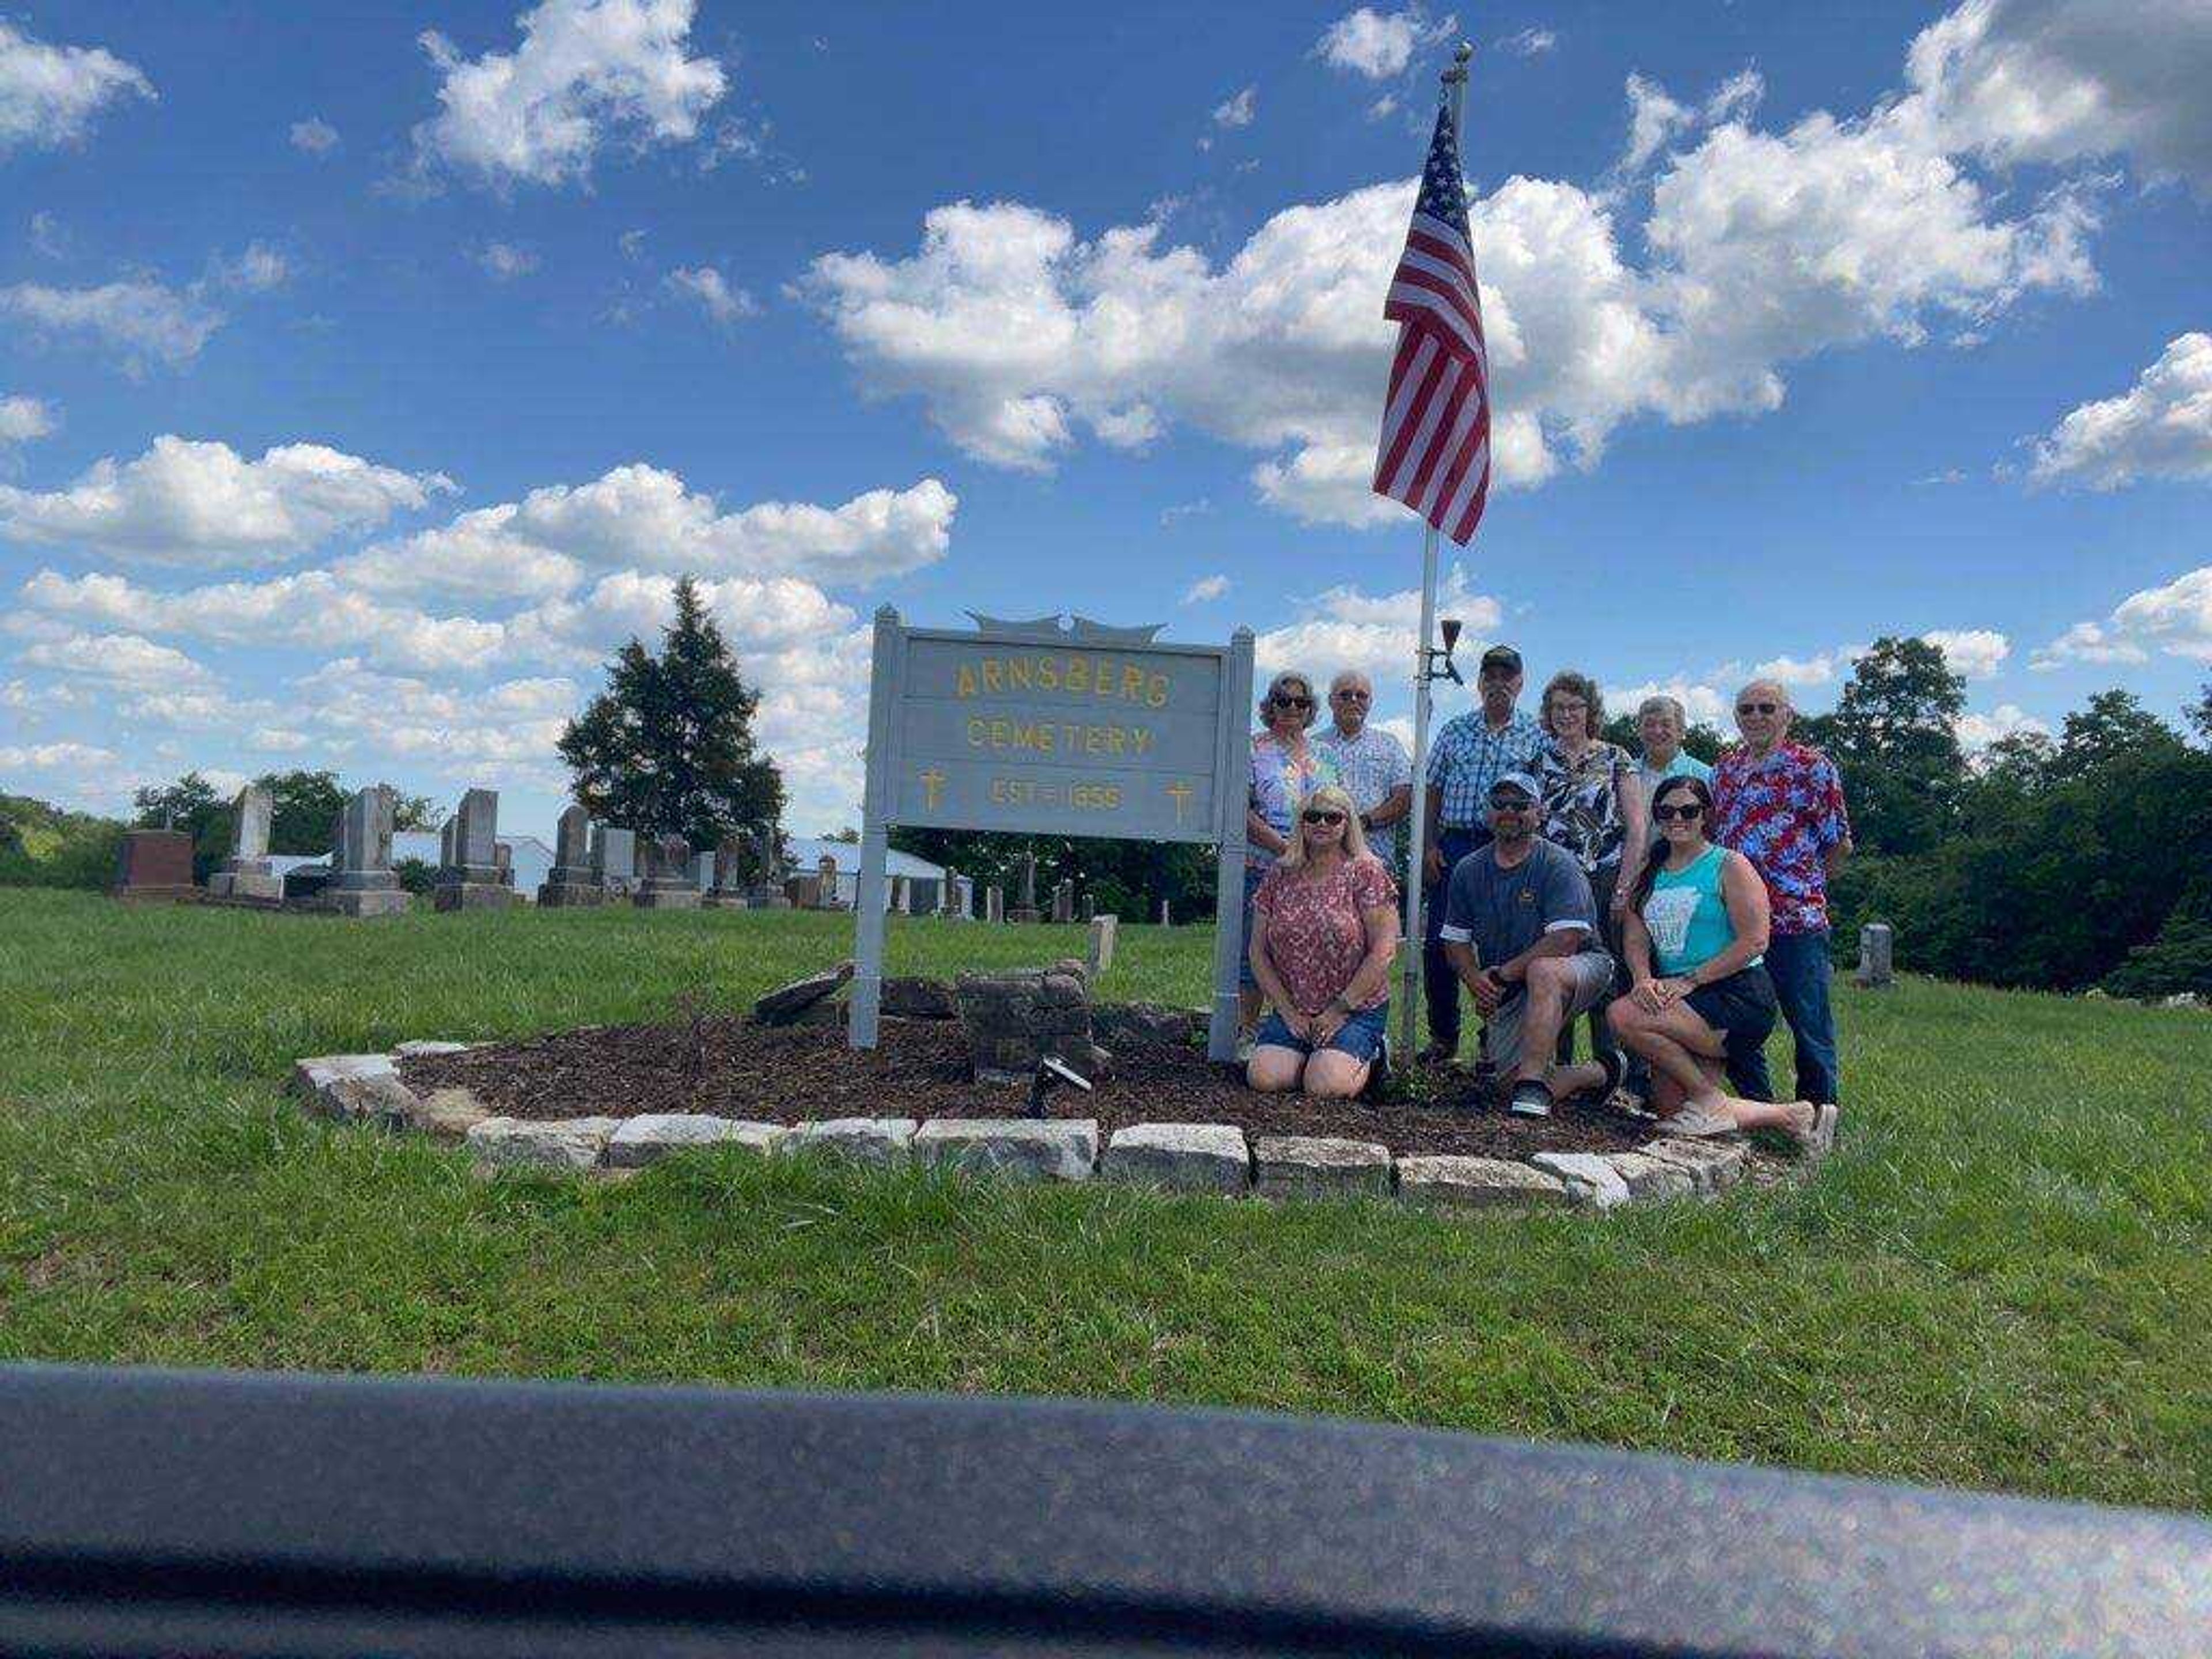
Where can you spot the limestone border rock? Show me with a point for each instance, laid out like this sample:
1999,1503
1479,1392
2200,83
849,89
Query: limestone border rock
1208,1157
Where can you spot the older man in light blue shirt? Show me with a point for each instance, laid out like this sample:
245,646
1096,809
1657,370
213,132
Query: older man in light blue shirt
1370,764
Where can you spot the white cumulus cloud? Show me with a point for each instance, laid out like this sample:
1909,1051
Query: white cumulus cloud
503,261
50,95
710,290
1346,626
1379,44
2160,428
314,135
2174,620
119,659
1206,588
588,75
193,503
22,419
1976,731
1975,654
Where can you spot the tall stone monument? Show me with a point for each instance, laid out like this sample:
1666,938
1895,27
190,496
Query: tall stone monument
667,883
571,882
361,883
246,873
470,877
614,860
1025,904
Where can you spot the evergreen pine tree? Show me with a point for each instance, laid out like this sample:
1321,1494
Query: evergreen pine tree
667,748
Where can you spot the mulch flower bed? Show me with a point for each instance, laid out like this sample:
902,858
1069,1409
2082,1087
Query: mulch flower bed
792,1074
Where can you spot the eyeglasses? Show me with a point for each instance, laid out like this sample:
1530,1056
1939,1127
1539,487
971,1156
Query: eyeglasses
1687,812
1321,815
1757,707
1511,804
1568,702
1293,702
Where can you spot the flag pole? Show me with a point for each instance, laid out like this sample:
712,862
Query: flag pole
1454,85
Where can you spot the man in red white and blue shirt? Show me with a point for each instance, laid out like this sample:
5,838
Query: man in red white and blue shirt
1781,804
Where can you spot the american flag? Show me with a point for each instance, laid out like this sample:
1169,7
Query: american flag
1435,452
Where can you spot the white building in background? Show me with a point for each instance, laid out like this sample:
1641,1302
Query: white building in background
924,880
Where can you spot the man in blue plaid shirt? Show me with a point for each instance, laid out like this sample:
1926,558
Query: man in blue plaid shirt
1468,755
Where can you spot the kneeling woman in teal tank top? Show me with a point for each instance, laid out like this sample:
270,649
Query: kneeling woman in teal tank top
1693,935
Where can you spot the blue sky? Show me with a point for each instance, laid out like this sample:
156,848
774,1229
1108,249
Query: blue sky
365,372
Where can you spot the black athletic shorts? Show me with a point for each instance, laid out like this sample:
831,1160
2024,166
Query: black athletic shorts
1739,1007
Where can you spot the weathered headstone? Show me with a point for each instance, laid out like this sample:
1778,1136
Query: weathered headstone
1877,944
362,883
470,879
994,904
1088,909
766,892
724,883
1167,914
898,895
506,866
702,871
571,881
805,892
246,874
1105,932
1063,900
614,860
668,884
155,863
825,873
1013,1020
1025,902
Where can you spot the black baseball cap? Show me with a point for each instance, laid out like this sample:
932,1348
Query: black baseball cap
1500,656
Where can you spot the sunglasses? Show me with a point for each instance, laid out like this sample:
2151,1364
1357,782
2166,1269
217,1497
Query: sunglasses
1294,702
1757,707
1321,815
1511,803
1687,811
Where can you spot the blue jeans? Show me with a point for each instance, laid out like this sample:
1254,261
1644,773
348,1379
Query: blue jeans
1798,965
1360,1036
1439,985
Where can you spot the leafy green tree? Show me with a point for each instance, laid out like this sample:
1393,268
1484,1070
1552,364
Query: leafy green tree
304,807
667,748
1894,735
2200,712
2113,725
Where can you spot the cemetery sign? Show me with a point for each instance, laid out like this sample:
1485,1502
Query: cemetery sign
1034,728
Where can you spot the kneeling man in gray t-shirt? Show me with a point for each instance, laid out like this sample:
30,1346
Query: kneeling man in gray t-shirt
1520,928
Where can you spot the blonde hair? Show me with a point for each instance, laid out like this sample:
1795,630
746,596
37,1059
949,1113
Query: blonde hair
1578,685
1327,795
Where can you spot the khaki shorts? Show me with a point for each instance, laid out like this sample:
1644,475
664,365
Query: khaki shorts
1592,987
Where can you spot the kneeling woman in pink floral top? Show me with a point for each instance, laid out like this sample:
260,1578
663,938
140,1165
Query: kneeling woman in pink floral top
1324,931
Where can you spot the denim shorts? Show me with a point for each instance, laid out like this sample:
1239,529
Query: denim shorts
1360,1036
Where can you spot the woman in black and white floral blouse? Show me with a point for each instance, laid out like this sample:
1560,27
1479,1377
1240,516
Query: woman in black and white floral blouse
1594,808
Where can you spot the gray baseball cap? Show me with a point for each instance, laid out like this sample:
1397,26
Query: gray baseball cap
1520,781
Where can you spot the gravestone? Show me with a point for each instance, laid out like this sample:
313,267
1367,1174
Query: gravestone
766,892
362,883
614,860
1025,904
1105,933
668,884
246,874
1167,914
1088,910
994,904
470,877
1876,945
723,890
571,881
925,895
506,866
155,863
805,892
1063,900
825,874
1013,1020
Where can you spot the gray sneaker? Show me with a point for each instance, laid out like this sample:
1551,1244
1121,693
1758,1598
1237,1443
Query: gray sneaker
1530,1099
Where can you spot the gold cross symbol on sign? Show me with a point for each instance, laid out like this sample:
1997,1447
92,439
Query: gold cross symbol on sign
932,782
1181,793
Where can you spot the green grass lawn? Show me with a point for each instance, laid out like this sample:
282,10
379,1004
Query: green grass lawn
2003,1278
